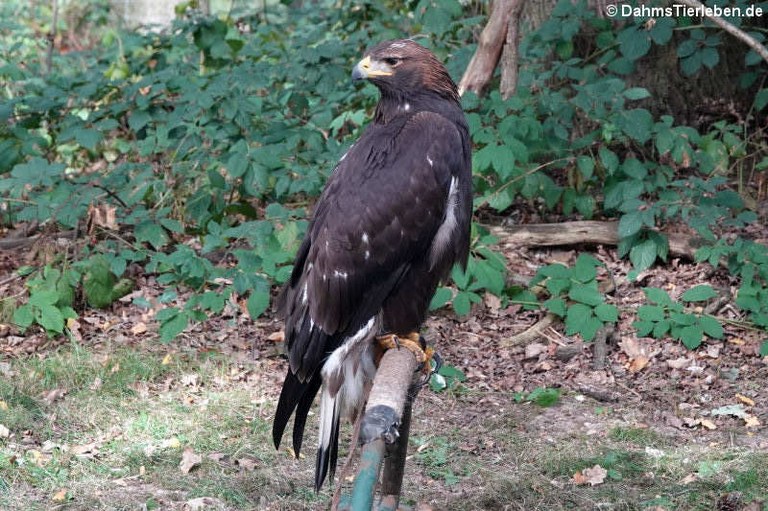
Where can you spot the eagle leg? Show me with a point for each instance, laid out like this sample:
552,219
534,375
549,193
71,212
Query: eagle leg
414,343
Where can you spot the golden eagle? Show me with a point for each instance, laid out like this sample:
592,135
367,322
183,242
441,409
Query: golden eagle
393,219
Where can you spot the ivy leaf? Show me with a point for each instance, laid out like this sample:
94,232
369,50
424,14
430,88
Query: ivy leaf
699,293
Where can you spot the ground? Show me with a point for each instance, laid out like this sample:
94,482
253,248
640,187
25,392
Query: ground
110,418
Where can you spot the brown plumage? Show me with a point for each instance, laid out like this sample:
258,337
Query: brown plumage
393,219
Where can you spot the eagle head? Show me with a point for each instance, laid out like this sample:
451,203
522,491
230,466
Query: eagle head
402,66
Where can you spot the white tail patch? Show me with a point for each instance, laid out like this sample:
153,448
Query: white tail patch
442,239
349,368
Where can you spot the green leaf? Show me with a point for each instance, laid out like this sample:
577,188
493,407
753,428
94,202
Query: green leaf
24,316
650,313
633,42
643,327
692,336
442,296
257,303
576,318
51,319
636,124
607,313
699,293
711,327
636,93
556,306
152,233
630,224
657,295
461,303
585,294
43,297
643,255
88,138
544,397
173,326
584,268
764,348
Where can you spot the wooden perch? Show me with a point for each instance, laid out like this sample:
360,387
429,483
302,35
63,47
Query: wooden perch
384,430
589,232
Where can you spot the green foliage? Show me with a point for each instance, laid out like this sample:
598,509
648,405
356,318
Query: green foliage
211,140
665,317
486,271
541,396
447,377
100,286
51,294
573,296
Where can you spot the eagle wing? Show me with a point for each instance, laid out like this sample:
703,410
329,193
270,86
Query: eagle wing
378,216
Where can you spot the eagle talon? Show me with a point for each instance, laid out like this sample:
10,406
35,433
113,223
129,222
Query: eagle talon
413,342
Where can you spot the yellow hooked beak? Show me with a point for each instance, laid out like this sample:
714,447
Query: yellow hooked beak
368,68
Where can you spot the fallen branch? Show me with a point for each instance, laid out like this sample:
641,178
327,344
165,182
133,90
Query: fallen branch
586,232
529,335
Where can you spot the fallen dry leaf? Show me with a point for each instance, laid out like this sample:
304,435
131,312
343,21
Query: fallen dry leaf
54,395
89,450
744,399
139,328
4,431
3,405
278,336
248,464
751,421
638,364
679,363
204,503
708,424
592,476
167,359
690,478
60,496
534,349
189,460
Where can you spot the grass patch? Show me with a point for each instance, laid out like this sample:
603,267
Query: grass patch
96,431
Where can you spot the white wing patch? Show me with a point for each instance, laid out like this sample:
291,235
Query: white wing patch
442,240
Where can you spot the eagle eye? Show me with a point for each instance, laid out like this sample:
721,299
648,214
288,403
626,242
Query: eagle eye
391,61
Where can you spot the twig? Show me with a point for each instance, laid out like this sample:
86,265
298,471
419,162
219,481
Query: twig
731,29
52,37
529,335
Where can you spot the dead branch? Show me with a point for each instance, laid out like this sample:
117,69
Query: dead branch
529,335
510,54
480,68
731,29
586,232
